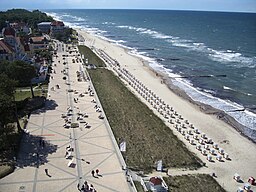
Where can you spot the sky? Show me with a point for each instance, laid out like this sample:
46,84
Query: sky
203,5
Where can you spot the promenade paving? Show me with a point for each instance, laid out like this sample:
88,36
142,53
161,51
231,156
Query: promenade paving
45,146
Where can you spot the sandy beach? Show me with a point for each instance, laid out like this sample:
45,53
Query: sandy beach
240,149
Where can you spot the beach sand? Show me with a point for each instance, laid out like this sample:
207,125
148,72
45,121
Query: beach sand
240,149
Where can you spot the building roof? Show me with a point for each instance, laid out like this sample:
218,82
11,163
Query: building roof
9,31
57,23
156,180
44,23
5,48
24,42
38,39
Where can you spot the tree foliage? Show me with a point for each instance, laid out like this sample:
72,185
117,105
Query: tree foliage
19,71
22,15
7,105
65,36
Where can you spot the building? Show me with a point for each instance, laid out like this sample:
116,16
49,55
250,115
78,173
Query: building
44,27
9,35
6,51
38,43
12,40
21,27
57,27
157,184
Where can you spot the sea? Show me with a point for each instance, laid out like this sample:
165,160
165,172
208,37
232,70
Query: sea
209,55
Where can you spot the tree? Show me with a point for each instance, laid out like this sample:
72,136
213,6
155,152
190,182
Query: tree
22,15
7,85
7,103
21,72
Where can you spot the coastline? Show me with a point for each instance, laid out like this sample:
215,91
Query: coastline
202,93
237,146
207,109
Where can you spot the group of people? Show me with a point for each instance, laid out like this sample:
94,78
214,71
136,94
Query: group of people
86,187
57,87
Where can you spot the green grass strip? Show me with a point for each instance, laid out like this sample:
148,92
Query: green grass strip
148,138
91,56
197,182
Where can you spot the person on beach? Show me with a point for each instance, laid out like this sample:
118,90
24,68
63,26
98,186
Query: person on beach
93,173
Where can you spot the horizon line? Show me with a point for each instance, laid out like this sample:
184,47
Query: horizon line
153,9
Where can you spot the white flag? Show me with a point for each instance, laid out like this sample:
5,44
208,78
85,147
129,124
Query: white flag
123,146
159,165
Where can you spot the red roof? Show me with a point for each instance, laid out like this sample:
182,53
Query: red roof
9,31
156,181
38,39
57,23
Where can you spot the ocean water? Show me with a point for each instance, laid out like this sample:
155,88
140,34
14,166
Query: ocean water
189,44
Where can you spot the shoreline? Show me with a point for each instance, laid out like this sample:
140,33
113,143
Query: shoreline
207,109
237,146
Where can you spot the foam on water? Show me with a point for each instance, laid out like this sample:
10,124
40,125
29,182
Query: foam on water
246,117
227,56
227,88
108,23
222,56
153,33
205,96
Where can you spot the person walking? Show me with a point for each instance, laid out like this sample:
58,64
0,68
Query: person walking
97,172
93,172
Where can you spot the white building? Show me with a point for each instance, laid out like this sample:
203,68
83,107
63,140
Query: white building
44,27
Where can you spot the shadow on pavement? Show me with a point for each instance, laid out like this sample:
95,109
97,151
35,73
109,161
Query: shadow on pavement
34,151
49,105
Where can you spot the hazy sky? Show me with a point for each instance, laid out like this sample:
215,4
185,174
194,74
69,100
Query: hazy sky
211,5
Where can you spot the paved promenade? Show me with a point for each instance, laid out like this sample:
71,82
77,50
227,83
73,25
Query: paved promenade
46,161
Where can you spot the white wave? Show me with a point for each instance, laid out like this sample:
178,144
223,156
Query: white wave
209,91
127,27
231,56
153,33
72,17
186,45
227,88
108,23
228,56
246,117
55,16
141,29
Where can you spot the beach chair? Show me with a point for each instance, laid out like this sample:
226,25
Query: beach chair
71,164
69,155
